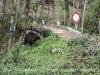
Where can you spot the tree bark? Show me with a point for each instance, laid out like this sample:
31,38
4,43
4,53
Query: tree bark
83,15
99,27
26,16
3,3
26,11
2,13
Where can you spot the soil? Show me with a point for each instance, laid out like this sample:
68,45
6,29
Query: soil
62,31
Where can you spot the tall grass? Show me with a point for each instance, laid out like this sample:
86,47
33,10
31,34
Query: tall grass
71,58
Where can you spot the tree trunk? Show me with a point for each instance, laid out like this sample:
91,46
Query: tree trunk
99,27
3,3
83,15
26,11
2,13
41,13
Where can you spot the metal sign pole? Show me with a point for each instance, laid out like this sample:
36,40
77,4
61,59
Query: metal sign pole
76,35
76,19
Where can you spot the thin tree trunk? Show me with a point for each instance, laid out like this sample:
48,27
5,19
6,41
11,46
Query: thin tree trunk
83,15
48,15
99,27
73,6
64,15
81,11
26,11
41,13
3,10
2,13
54,17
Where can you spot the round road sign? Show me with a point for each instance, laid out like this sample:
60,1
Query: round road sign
76,17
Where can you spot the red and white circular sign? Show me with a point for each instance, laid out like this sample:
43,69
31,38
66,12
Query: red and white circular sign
76,17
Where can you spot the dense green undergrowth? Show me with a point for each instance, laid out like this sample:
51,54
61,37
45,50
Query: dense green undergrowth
53,56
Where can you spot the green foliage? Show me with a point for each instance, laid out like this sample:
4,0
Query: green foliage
19,23
35,7
92,17
29,22
46,32
33,60
80,42
6,22
67,7
5,28
73,58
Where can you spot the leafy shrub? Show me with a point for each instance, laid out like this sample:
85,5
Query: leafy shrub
46,32
92,17
39,59
80,41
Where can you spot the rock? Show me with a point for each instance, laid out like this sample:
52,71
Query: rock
55,70
56,50
73,31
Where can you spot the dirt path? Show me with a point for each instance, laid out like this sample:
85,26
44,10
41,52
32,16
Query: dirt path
62,31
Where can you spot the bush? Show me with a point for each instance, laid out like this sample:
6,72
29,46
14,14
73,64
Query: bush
92,17
39,59
46,32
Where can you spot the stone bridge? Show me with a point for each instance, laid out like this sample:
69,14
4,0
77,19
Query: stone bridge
32,34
